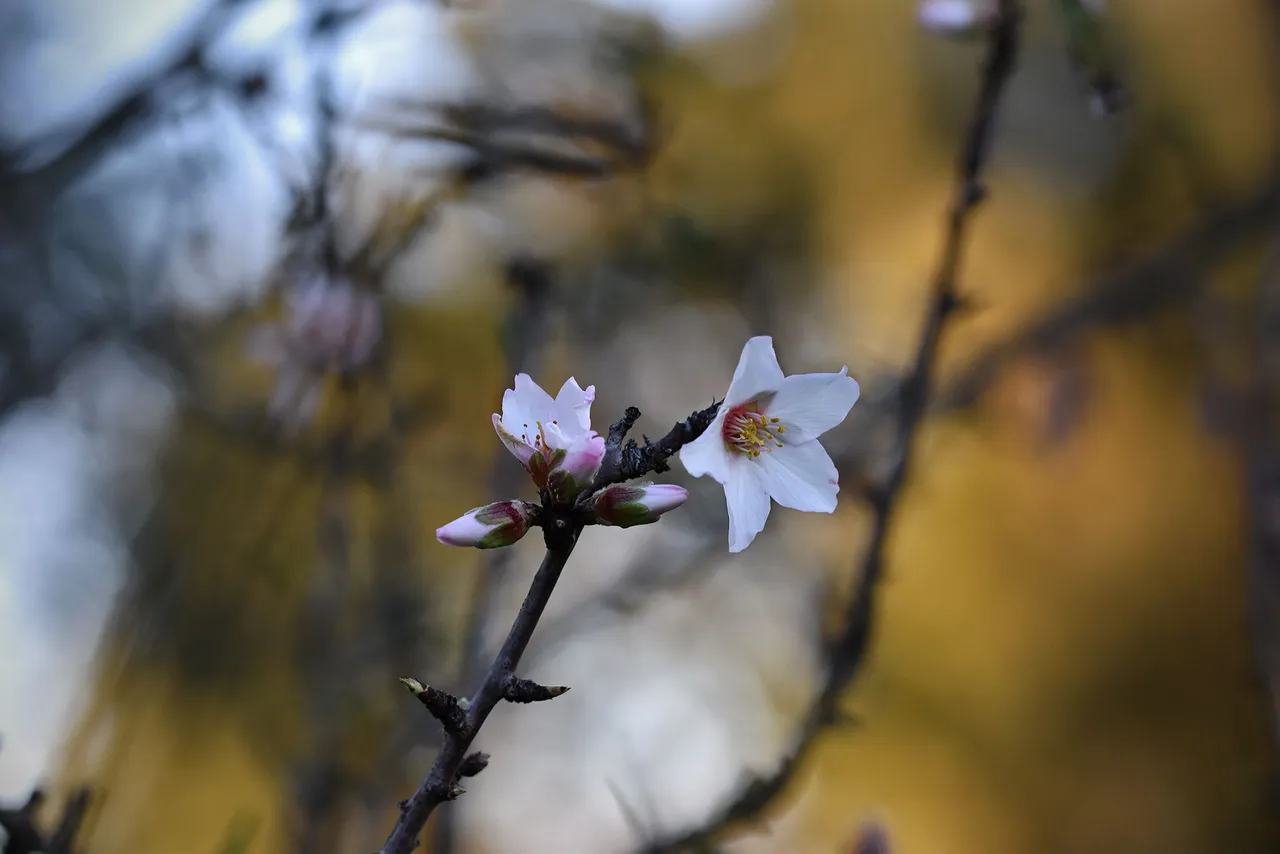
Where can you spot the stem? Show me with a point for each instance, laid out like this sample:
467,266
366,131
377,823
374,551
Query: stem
440,783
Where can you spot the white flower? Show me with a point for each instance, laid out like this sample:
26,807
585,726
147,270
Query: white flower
764,441
552,439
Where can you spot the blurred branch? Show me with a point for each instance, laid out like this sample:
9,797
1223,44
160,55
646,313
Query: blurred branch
1170,275
1262,455
321,777
524,337
25,838
845,652
1262,449
1090,51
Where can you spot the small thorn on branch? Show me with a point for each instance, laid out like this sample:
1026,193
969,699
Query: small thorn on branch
473,764
632,460
446,793
519,690
444,707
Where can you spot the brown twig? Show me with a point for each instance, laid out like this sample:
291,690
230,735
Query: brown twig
561,526
523,338
25,838
846,652
441,782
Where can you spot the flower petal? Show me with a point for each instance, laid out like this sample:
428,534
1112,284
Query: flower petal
757,371
579,465
809,405
527,404
708,454
522,450
573,406
748,507
801,477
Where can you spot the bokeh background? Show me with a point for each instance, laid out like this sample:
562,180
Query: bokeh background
215,561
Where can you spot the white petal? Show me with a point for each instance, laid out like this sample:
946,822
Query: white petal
573,406
757,371
748,507
809,405
525,406
520,449
708,454
801,477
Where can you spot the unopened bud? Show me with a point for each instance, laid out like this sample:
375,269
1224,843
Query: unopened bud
489,527
623,506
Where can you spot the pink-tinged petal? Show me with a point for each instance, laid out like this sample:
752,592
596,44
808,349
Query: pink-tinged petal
801,477
748,507
489,527
708,454
757,372
581,462
809,405
465,531
624,506
522,450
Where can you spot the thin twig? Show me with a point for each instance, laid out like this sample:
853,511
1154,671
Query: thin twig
1164,278
845,653
1262,454
25,838
321,777
523,339
441,782
561,527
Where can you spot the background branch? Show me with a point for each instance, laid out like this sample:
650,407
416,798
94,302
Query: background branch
846,652
524,337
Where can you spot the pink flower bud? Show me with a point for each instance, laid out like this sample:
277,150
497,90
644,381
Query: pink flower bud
573,469
489,527
623,505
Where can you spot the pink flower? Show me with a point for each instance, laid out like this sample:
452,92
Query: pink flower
552,438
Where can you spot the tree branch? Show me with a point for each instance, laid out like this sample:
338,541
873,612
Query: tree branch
441,782
1164,278
846,652
523,338
630,461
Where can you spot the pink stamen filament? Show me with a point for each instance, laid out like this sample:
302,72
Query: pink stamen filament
750,431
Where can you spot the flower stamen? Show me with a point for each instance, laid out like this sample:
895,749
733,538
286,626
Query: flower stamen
749,431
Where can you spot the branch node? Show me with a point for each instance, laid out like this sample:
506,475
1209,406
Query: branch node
473,764
444,707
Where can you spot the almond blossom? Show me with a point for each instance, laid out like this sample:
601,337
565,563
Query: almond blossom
764,444
552,438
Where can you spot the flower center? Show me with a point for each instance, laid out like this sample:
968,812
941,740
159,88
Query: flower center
538,439
751,432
